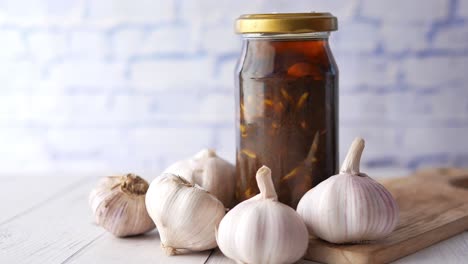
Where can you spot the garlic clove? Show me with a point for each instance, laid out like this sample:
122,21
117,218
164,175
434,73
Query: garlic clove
191,169
118,204
349,207
186,216
182,168
205,154
210,172
218,178
261,229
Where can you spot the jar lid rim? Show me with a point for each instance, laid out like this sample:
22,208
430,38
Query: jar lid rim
286,23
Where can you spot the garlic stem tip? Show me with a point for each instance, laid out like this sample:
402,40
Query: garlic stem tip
264,170
265,183
353,158
359,141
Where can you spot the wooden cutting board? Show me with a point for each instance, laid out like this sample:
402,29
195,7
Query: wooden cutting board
433,207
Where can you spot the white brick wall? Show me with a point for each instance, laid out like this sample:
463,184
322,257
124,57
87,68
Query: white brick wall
12,44
462,8
164,73
381,140
224,105
42,12
226,146
120,85
436,72
224,73
355,38
452,38
127,42
418,140
82,143
77,72
145,11
19,75
404,38
47,45
365,71
403,11
23,150
15,108
169,40
212,12
88,44
175,142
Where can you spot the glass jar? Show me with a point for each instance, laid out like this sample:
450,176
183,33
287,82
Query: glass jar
286,103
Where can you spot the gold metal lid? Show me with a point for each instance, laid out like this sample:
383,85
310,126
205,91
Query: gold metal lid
286,23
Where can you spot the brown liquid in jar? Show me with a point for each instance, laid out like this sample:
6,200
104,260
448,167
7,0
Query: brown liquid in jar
287,115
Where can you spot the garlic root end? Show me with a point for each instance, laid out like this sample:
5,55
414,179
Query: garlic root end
169,251
182,181
134,184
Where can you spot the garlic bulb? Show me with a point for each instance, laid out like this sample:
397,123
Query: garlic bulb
186,215
261,229
118,204
350,206
209,171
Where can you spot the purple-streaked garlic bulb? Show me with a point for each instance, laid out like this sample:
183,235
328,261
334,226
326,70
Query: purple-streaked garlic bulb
349,207
118,204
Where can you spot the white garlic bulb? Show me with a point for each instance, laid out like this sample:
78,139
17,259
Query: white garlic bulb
118,204
209,171
349,207
261,229
186,215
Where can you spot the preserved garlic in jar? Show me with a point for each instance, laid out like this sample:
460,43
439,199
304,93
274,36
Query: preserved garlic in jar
286,103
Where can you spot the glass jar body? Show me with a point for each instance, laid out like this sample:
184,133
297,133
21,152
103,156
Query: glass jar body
286,113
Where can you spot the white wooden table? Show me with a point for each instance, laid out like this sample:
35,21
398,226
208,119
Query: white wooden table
46,219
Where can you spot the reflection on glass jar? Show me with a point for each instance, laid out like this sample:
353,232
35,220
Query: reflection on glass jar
287,103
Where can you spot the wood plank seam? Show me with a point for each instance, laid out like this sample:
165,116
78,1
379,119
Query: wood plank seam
209,256
83,248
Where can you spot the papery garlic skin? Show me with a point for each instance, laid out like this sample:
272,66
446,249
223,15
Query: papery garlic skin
118,204
186,215
349,207
262,230
209,171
